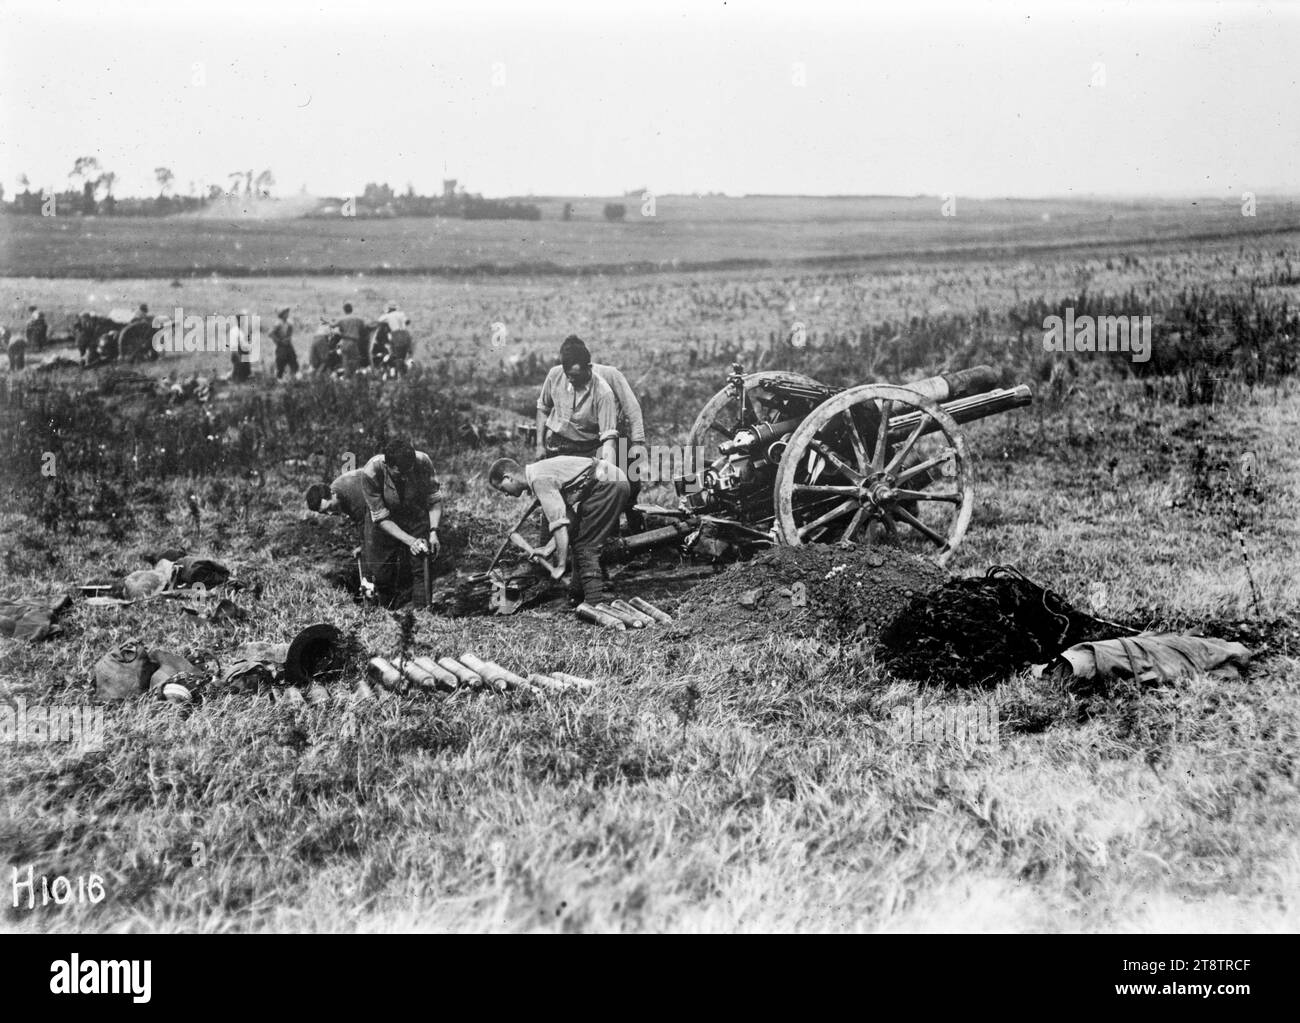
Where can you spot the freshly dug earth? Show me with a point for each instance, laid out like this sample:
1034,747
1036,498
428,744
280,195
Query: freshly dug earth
846,594
976,632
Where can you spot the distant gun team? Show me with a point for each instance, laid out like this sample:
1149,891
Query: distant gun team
346,346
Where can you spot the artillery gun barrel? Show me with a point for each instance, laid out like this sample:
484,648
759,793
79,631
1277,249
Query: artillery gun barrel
963,410
964,383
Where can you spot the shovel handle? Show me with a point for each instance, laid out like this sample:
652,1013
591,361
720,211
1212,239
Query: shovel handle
532,507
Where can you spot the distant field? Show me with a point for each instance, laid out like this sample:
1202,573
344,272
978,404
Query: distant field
708,783
684,233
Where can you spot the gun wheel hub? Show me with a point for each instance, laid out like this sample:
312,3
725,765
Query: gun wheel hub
844,477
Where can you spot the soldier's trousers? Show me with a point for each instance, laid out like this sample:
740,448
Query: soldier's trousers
595,521
286,361
390,565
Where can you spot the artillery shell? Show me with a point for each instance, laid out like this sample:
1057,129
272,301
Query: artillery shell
383,672
435,669
363,691
591,614
648,608
418,675
506,675
463,674
577,681
486,670
546,682
626,608
632,620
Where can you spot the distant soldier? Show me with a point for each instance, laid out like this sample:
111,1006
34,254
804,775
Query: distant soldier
286,359
84,330
37,329
381,338
394,318
351,328
401,525
399,347
321,353
581,499
15,348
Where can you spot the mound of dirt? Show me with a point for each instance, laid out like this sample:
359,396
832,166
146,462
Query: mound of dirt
976,632
816,591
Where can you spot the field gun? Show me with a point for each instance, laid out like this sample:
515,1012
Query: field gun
779,458
784,459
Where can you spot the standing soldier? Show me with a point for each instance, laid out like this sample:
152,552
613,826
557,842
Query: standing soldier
392,321
629,421
37,329
401,527
581,499
286,359
577,413
394,318
15,347
352,336
399,348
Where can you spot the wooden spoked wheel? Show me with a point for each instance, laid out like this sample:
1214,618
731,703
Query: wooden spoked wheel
842,479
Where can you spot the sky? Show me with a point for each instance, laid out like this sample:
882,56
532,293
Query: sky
571,97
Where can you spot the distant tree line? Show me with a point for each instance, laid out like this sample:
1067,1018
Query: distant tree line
90,192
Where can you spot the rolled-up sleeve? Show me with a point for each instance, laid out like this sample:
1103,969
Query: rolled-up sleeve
606,409
630,406
545,398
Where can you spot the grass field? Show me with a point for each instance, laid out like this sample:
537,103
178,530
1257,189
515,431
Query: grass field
707,785
683,233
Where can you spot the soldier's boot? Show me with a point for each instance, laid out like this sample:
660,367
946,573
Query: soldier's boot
589,576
